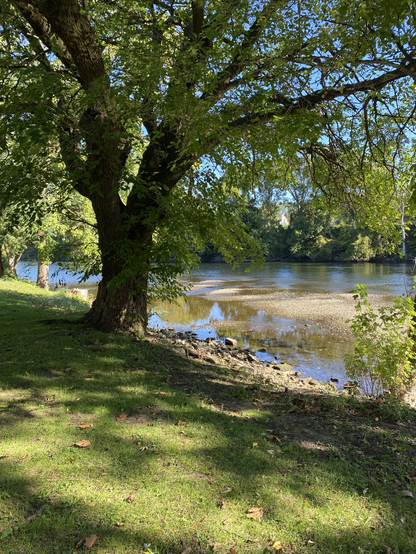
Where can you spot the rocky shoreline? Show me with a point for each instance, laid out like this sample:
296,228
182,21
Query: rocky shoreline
245,360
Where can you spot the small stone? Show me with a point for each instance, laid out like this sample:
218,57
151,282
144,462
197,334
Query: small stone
230,342
285,368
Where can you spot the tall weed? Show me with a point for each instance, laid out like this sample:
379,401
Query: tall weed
384,345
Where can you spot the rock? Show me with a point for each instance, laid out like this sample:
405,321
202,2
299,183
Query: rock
251,358
192,352
210,360
285,368
262,350
334,379
230,342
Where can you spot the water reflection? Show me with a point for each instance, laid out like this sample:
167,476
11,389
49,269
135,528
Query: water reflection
303,344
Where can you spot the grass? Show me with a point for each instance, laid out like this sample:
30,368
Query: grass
195,446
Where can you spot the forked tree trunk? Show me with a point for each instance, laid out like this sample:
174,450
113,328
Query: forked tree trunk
13,261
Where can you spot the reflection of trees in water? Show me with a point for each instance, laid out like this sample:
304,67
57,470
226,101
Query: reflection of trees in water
200,310
254,328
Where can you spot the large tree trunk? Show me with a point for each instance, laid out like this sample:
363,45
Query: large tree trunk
121,307
121,302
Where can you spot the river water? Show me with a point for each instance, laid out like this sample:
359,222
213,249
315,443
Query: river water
311,349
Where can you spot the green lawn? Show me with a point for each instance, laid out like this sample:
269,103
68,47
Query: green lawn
193,447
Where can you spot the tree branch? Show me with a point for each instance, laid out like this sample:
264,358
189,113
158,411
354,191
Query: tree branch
239,60
44,31
309,101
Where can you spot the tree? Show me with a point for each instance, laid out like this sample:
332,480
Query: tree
134,94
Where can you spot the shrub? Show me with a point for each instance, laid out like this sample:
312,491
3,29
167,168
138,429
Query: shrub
384,345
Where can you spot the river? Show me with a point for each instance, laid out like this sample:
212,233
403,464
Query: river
218,305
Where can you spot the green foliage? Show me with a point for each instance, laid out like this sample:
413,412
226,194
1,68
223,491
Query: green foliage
171,86
384,345
360,249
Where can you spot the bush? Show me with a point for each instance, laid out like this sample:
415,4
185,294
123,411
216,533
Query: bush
384,345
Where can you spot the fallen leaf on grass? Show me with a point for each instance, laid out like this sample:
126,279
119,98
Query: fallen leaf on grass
407,493
85,425
162,392
89,541
20,459
187,550
232,551
387,549
227,489
255,513
221,504
411,479
121,417
181,422
275,547
273,438
227,520
6,455
131,498
83,443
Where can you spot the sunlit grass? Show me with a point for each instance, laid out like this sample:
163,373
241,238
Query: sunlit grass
194,471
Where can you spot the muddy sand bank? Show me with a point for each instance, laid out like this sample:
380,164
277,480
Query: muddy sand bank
329,311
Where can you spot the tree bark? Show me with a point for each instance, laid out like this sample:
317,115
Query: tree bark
43,275
1,261
13,260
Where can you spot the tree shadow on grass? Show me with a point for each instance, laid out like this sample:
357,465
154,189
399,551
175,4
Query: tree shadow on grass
197,446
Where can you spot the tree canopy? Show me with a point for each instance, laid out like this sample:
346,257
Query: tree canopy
139,106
